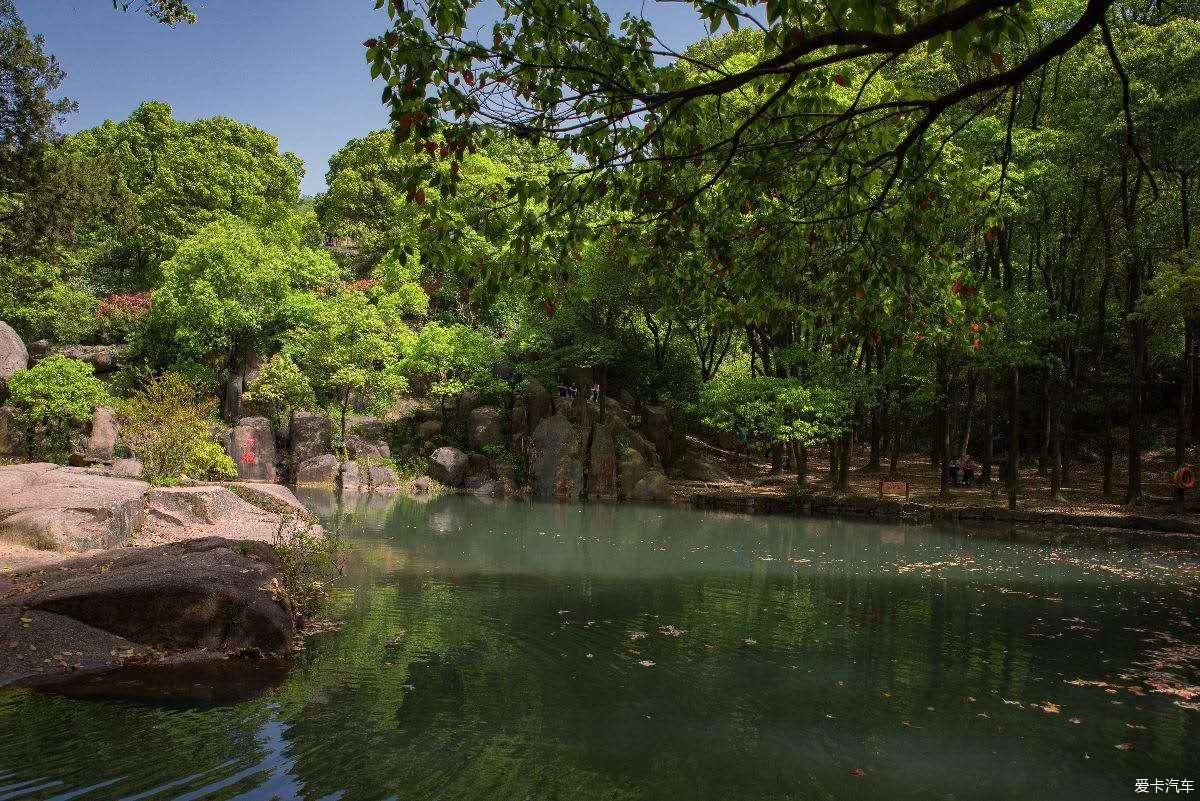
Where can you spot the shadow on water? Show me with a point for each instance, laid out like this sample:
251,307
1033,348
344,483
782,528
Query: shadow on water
507,651
191,684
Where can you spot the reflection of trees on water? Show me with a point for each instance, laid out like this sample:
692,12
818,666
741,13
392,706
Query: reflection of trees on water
462,669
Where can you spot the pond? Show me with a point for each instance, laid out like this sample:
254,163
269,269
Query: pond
517,651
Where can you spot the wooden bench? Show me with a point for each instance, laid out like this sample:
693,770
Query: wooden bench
893,489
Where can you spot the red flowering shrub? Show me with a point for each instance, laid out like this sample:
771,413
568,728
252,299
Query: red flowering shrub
132,305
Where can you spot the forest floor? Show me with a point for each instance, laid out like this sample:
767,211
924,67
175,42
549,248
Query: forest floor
1083,498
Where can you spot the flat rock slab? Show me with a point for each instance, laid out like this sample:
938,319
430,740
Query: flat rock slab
176,513
68,508
58,511
189,601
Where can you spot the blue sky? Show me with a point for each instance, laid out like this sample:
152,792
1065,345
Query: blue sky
294,68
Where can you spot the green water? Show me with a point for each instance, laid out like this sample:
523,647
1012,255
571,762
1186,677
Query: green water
517,651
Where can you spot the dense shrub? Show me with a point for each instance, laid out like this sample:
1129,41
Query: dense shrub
280,388
171,432
53,398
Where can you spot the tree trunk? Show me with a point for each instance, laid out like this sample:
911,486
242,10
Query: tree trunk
1055,455
1106,479
1183,425
989,427
972,392
1137,344
1014,434
800,454
843,482
1044,450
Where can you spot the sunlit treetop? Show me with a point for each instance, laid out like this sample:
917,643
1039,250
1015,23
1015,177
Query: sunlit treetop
839,87
168,12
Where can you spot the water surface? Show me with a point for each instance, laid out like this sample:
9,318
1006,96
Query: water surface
514,651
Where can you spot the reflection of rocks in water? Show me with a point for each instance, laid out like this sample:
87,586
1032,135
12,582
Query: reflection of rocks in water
321,501
208,683
443,519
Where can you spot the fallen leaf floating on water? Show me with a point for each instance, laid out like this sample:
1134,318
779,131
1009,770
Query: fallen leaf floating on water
638,635
749,641
1076,721
671,631
1124,747
1049,707
646,663
858,773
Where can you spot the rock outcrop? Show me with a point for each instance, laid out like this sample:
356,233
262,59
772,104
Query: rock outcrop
319,470
252,448
311,436
102,441
485,428
103,358
70,509
448,466
695,466
360,478
14,357
49,507
185,602
556,454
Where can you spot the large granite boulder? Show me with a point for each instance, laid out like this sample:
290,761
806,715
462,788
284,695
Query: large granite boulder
696,466
657,428
252,448
448,466
176,513
68,508
373,429
556,460
518,426
429,430
65,509
102,358
197,600
602,463
363,449
13,356
102,441
539,403
632,467
652,487
362,478
311,436
485,428
318,470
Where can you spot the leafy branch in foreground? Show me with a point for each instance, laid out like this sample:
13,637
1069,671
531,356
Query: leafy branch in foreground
168,12
858,93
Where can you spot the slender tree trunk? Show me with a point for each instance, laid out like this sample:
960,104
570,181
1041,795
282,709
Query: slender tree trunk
896,433
1137,344
843,482
1044,450
1106,479
1014,434
1183,425
972,393
800,454
1055,455
989,453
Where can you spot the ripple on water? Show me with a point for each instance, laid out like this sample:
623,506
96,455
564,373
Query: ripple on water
529,651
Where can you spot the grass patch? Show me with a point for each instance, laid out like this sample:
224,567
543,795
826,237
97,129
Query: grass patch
312,559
